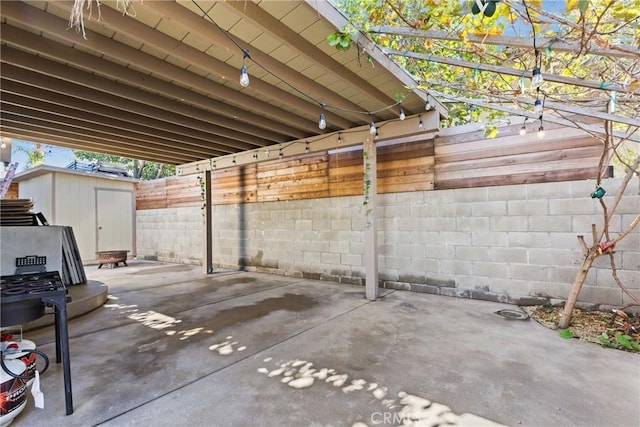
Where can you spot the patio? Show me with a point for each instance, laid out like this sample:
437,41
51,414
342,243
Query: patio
176,347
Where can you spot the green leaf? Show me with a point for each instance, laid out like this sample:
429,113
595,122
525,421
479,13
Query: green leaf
566,333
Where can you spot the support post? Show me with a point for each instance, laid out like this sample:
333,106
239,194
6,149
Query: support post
208,224
371,219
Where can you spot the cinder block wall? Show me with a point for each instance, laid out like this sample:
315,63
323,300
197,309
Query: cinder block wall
512,244
170,235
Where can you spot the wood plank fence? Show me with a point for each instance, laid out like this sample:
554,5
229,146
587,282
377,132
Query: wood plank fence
457,161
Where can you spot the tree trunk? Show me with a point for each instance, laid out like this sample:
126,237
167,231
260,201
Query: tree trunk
581,276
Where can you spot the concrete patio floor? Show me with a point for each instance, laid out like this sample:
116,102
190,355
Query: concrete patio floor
175,347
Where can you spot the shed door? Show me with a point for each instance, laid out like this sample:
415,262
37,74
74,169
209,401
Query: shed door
114,220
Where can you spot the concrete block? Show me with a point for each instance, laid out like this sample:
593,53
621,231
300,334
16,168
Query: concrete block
425,289
488,296
412,277
439,224
442,281
529,272
509,223
398,263
610,296
490,269
527,300
467,223
550,257
527,207
491,238
506,192
455,292
528,240
455,267
439,251
471,195
550,289
403,286
411,251
573,206
388,274
549,190
410,198
508,255
424,237
489,208
472,253
350,259
630,261
428,265
455,238
448,209
561,223
339,246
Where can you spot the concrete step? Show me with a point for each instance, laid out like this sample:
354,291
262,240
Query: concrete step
84,298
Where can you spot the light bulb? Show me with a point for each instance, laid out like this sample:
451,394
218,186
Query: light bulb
306,148
537,107
322,123
372,128
402,115
536,77
280,155
420,125
255,155
244,76
339,139
233,161
3,145
540,132
427,105
523,130
266,153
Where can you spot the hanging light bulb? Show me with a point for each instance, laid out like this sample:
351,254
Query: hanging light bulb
339,138
523,130
266,153
244,75
372,128
541,131
420,124
536,77
427,104
3,144
537,107
213,165
233,160
307,148
280,154
255,155
402,115
611,107
322,122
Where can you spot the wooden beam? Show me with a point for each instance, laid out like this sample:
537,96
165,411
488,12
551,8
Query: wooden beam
195,23
508,71
339,20
302,111
548,118
87,119
553,43
294,41
40,20
370,184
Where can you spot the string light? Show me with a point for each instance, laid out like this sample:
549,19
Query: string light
611,106
372,127
244,74
255,155
322,122
266,153
233,160
3,144
306,148
339,138
523,129
427,104
420,124
213,165
536,77
280,155
541,131
537,107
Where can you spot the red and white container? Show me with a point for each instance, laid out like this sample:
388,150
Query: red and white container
13,391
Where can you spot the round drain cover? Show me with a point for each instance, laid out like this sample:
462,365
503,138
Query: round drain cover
512,314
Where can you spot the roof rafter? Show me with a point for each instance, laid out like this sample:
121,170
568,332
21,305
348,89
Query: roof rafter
553,43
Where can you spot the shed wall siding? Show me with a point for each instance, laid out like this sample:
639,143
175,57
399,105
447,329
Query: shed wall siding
513,243
40,191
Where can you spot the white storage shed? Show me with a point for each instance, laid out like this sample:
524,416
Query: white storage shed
99,207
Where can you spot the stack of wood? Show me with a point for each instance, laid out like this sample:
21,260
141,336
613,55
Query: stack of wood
72,269
16,212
